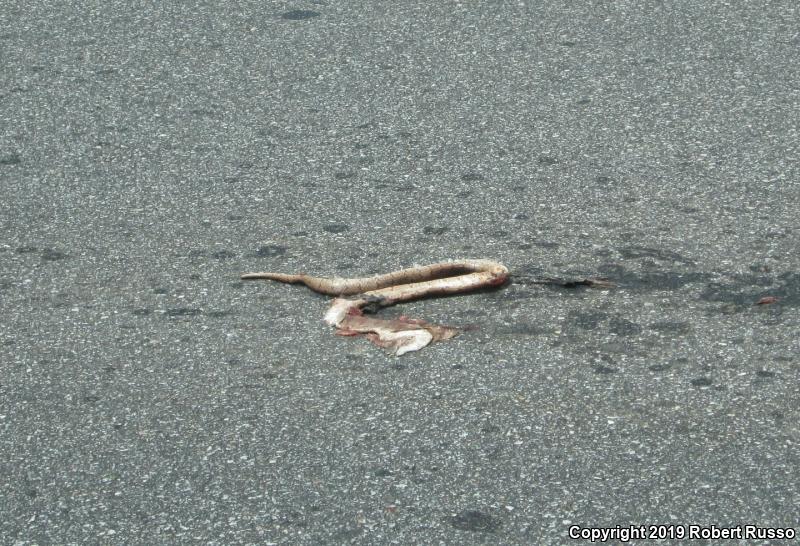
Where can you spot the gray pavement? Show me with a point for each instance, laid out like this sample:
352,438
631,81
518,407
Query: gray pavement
149,154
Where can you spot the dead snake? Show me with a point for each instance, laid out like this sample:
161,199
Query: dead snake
400,335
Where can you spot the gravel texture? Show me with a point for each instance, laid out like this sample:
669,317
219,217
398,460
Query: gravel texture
149,153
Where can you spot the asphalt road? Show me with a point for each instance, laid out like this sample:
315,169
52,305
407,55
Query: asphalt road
150,153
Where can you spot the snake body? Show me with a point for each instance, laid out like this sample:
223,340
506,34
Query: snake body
400,335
